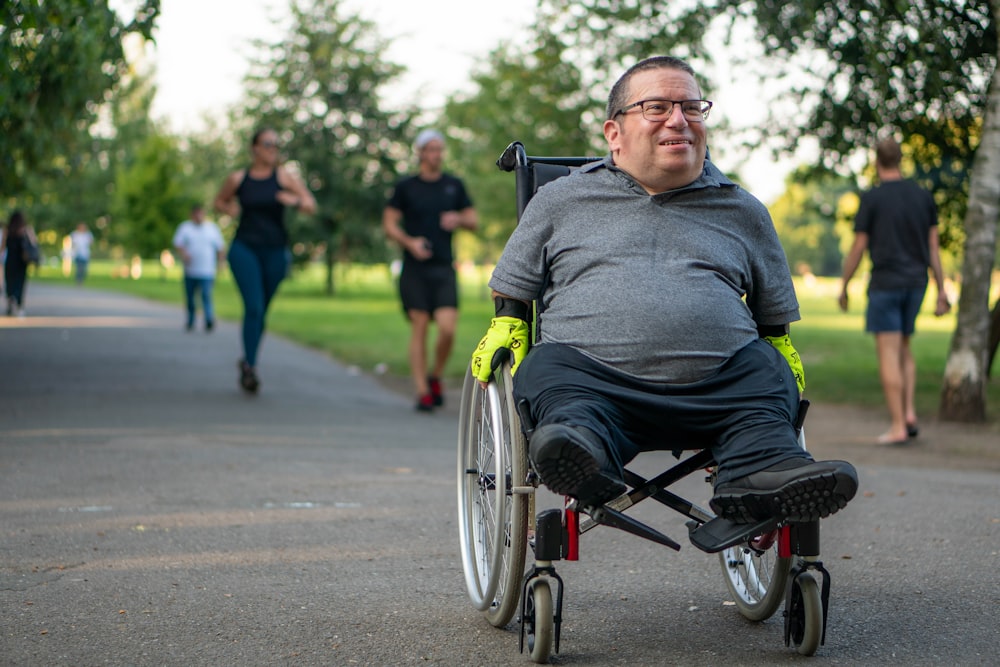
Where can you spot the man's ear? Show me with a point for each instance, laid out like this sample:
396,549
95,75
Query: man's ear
612,132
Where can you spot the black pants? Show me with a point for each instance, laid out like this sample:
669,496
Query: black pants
15,277
745,413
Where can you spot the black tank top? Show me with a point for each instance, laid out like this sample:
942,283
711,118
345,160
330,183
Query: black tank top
262,216
15,253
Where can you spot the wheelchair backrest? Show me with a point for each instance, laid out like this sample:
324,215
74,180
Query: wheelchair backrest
532,172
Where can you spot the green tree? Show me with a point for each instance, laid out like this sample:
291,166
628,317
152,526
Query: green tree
208,158
60,59
806,217
319,88
534,95
152,195
79,184
75,188
925,70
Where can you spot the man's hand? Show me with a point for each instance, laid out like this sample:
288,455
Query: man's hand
505,332
943,305
784,345
420,248
451,220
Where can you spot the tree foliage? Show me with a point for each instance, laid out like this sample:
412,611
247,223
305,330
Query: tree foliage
79,184
60,60
151,197
852,70
318,87
535,97
809,217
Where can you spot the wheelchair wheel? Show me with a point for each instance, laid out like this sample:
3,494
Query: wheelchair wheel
756,576
805,614
493,518
539,623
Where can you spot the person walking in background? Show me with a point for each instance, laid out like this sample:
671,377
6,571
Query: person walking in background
81,239
200,246
16,248
258,256
422,214
897,224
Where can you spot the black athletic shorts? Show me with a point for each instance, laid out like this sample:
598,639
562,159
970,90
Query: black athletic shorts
428,286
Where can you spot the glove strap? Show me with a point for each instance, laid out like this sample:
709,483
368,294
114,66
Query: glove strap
512,308
772,330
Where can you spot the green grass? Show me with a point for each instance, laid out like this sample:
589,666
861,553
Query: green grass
363,326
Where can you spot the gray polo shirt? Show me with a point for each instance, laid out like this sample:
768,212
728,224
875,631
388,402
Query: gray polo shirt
664,288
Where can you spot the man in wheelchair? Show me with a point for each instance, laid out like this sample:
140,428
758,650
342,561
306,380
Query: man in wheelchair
663,302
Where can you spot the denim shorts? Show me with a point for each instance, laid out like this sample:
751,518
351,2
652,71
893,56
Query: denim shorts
894,310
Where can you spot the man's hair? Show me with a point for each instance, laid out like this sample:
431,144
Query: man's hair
620,91
888,154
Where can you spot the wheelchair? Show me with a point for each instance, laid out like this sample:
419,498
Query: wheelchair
763,564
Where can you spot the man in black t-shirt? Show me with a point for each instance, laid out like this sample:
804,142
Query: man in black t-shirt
421,215
897,224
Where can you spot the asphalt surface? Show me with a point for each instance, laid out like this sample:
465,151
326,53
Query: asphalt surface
152,514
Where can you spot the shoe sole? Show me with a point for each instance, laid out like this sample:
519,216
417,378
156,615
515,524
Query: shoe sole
248,380
568,469
799,501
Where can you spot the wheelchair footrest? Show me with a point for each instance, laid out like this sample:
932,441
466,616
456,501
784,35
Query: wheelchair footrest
608,517
719,533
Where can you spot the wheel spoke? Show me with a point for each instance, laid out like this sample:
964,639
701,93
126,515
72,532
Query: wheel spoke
493,519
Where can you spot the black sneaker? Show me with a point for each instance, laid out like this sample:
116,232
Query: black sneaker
425,403
797,490
437,392
209,326
572,461
248,378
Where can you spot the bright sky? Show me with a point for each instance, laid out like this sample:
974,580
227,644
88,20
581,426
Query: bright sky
202,49
202,46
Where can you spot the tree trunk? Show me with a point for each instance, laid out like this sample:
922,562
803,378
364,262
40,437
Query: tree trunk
330,263
994,338
963,396
330,226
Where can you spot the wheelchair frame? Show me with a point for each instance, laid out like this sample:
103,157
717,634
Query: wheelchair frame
763,564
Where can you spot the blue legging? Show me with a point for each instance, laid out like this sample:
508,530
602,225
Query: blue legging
258,270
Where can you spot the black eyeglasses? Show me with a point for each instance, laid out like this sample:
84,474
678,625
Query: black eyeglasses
658,111
268,144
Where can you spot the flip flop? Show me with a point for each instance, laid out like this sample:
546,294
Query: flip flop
883,440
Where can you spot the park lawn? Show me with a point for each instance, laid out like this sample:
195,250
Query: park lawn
363,326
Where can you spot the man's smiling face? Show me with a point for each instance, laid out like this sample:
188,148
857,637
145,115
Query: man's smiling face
663,155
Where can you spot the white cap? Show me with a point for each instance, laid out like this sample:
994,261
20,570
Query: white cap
426,137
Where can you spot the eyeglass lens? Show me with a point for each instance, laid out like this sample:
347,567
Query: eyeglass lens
658,110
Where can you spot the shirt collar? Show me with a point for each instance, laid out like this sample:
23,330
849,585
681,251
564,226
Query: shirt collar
711,176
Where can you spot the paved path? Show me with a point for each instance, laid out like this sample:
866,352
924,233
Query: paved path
151,514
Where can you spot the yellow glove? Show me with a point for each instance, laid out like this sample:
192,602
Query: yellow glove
505,332
784,345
